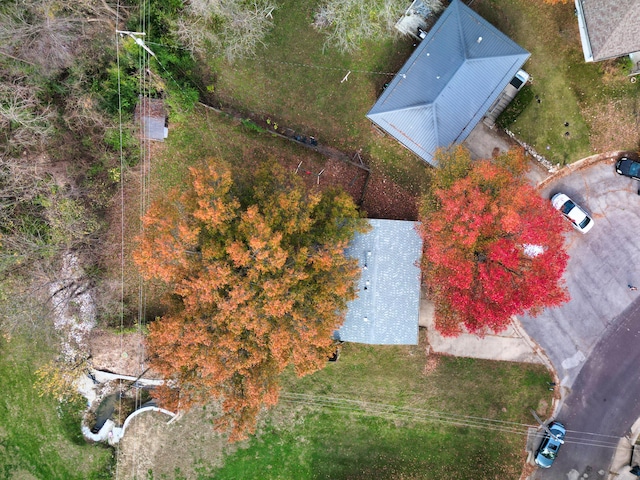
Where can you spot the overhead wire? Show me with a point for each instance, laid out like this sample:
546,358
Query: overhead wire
322,67
117,447
343,404
293,64
417,414
146,110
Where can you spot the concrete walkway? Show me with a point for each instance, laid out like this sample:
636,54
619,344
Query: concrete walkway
511,345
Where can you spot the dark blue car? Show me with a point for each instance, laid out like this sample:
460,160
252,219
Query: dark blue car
628,167
548,449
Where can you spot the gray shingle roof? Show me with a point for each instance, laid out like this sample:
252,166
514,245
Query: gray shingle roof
610,28
448,83
387,308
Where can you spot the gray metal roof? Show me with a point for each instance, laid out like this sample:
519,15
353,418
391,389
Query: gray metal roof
608,28
152,115
387,308
448,83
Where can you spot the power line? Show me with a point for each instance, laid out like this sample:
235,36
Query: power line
422,415
321,67
292,64
121,218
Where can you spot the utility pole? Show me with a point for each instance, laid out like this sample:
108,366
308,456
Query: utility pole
546,429
137,39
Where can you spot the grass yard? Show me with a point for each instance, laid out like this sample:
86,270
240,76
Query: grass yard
301,440
597,100
296,83
39,438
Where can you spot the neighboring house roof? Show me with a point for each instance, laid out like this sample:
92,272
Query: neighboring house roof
388,304
152,116
449,82
608,28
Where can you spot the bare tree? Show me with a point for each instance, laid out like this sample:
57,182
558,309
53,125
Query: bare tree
351,22
39,33
234,28
24,121
46,33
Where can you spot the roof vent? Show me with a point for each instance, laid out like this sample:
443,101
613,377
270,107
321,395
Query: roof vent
479,39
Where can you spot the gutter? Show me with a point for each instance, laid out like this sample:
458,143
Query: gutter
584,35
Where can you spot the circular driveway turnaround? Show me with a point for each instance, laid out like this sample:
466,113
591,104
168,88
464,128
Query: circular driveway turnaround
602,263
599,328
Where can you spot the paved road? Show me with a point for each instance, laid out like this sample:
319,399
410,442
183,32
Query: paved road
602,263
594,340
605,400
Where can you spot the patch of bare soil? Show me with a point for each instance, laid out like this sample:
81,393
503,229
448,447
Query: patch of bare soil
150,444
431,365
123,354
330,172
384,198
611,128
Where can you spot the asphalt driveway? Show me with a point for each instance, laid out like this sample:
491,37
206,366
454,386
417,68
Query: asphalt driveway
602,264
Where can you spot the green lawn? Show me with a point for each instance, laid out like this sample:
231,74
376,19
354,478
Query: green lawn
297,83
39,438
302,440
569,89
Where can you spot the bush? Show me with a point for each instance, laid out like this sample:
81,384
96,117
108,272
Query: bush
516,107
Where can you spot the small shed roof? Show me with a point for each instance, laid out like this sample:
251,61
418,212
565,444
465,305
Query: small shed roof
151,114
608,28
387,308
449,82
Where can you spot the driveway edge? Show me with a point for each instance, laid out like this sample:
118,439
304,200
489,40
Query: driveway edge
545,360
580,164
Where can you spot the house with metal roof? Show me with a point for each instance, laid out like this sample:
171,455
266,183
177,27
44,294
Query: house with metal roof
449,83
609,28
386,311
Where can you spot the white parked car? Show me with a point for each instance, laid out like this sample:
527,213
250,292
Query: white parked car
520,80
580,219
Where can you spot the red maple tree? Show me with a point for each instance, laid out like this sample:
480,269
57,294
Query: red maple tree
493,247
258,281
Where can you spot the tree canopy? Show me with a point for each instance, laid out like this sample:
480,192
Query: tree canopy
258,281
493,247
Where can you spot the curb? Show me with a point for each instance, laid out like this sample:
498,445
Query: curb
620,468
580,164
557,402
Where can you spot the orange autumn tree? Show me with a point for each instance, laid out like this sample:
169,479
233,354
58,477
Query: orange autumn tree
493,247
258,281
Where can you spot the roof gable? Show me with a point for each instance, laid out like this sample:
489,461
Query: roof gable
387,309
448,83
611,27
